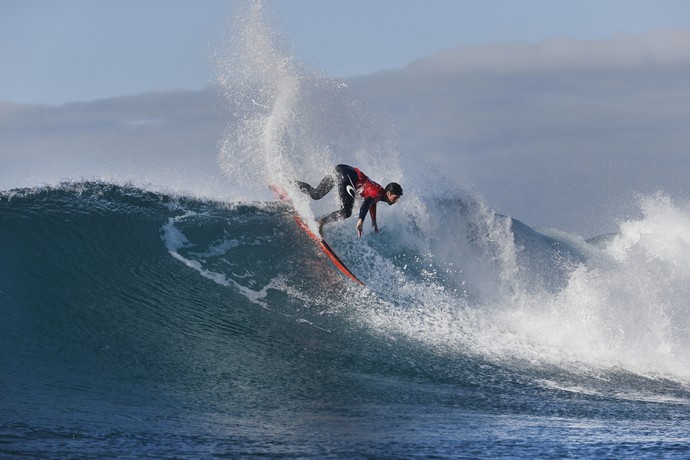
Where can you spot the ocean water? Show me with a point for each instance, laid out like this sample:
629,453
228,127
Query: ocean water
139,324
145,322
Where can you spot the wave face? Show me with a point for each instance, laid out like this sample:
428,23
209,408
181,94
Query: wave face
134,319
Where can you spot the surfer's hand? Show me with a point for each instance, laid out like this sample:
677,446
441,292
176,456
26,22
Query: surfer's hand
360,224
376,227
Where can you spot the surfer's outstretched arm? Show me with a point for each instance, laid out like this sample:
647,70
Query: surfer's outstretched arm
372,213
360,226
369,205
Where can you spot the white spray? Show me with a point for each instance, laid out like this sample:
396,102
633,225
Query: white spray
477,282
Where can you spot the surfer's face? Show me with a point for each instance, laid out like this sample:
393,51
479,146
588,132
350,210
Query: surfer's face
392,198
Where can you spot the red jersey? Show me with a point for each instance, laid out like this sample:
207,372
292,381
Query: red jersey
371,192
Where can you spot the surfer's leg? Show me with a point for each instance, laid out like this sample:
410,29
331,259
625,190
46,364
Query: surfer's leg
346,193
347,200
332,217
340,214
335,216
346,177
326,185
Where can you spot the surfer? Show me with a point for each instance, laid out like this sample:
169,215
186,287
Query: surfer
351,181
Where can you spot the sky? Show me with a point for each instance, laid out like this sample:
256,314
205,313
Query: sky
78,50
559,113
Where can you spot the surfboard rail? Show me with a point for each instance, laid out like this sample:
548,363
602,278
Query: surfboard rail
325,247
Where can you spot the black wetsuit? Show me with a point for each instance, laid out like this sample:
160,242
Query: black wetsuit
350,181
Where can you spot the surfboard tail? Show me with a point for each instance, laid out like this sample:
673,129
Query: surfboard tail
325,247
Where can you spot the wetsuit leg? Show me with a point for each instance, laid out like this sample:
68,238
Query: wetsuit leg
319,192
347,180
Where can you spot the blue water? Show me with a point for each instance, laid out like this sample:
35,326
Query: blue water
139,324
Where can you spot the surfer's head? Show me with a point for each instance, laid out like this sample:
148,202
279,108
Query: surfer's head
393,192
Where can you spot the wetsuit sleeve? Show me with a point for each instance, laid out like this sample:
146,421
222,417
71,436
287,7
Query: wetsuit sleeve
368,202
372,211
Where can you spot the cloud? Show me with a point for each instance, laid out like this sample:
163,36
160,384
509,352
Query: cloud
557,133
662,47
167,139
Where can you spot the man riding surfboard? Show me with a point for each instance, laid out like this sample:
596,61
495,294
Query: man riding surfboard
352,181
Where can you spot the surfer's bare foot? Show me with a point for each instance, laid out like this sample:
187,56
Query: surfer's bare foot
321,222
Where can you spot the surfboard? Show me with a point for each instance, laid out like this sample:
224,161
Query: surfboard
325,247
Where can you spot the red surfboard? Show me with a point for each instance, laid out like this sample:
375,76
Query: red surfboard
321,242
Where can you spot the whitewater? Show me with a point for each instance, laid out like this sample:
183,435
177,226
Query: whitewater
147,321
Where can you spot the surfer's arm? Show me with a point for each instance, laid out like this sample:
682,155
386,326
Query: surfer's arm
366,205
360,226
372,213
